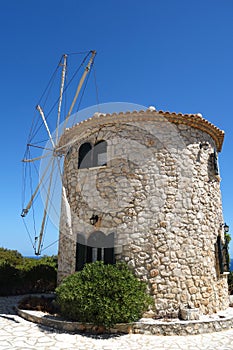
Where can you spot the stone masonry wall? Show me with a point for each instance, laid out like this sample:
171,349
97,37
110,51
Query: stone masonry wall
160,196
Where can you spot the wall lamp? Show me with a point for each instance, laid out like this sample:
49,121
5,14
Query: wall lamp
94,219
204,145
226,227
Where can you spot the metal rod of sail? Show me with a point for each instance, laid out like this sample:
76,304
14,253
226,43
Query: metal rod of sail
36,158
38,251
87,69
45,123
26,210
61,94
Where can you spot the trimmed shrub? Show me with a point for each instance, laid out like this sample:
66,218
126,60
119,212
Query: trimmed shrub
103,295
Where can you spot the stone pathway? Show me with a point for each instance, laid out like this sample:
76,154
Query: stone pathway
18,334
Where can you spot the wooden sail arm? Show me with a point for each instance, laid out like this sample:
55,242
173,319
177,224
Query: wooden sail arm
28,207
38,251
45,123
87,69
63,75
30,160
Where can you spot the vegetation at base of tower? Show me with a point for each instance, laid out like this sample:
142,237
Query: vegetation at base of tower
227,242
230,283
20,275
103,295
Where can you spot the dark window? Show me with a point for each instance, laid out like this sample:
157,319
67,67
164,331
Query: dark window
100,153
109,256
81,252
97,247
90,156
85,156
214,162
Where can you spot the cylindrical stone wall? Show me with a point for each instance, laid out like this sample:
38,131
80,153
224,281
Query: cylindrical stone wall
159,193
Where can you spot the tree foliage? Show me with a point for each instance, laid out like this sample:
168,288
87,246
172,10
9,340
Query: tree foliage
12,257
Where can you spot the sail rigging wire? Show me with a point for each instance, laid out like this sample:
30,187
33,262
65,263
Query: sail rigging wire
96,88
27,230
45,180
35,193
44,148
43,185
50,80
49,205
33,211
81,97
66,87
45,214
83,91
50,245
78,53
79,87
63,78
46,125
27,160
49,91
24,176
33,127
60,239
35,233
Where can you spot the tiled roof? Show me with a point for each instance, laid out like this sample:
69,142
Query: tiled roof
192,120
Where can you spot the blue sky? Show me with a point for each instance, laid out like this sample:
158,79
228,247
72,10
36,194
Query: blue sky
174,54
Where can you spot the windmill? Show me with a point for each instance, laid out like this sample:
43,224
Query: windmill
43,140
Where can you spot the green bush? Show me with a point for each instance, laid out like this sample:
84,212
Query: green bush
10,279
103,295
230,283
29,263
40,278
12,257
19,275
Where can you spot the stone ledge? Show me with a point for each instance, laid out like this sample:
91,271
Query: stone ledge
220,322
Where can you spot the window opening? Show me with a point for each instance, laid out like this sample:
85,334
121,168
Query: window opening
100,153
92,156
85,156
98,247
214,160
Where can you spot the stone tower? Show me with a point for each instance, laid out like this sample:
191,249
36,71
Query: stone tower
144,187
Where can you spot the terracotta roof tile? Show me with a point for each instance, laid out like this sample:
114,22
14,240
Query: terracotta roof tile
193,120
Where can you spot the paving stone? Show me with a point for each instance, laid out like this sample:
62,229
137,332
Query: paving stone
27,336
